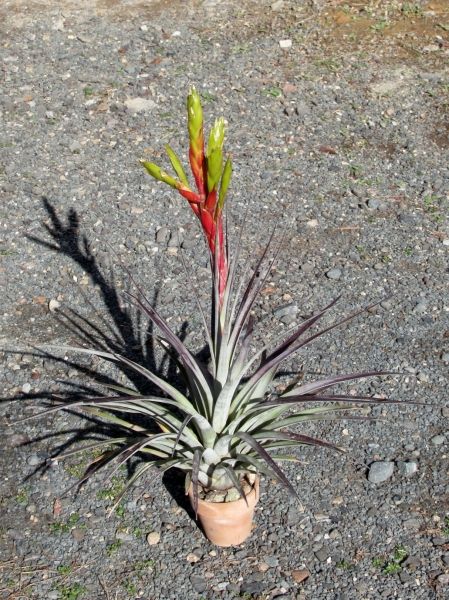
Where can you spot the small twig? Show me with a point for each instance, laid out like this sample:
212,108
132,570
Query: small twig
104,588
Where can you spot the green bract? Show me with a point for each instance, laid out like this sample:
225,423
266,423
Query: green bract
226,422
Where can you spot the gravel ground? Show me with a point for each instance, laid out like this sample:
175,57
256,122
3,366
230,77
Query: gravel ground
339,132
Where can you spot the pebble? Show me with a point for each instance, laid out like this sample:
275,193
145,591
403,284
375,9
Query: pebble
198,583
439,541
123,536
380,471
373,203
278,5
175,240
322,554
443,579
300,575
286,314
192,558
412,524
33,460
423,377
445,411
78,534
438,440
136,105
26,388
162,235
420,308
285,44
17,439
334,273
272,561
445,357
75,147
407,468
153,538
387,304
252,587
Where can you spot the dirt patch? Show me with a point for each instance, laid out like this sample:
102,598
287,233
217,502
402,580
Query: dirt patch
19,13
391,29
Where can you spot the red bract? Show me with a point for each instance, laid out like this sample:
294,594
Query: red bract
211,182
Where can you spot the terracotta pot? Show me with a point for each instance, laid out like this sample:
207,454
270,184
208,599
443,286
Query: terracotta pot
227,523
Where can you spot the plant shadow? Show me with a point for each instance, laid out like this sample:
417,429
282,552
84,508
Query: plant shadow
125,332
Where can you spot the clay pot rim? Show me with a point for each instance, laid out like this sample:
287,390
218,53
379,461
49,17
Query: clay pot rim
252,499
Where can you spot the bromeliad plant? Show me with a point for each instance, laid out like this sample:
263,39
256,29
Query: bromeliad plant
225,423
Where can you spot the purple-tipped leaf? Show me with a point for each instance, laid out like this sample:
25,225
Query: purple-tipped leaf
299,437
181,429
235,482
195,482
317,386
254,444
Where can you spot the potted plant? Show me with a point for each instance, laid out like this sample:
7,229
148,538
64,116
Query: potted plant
229,427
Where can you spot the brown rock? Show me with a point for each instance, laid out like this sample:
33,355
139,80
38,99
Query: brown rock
300,575
153,538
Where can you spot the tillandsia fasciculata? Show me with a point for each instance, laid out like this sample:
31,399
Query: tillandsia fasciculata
225,422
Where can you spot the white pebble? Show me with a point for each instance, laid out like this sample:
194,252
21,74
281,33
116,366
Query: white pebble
285,44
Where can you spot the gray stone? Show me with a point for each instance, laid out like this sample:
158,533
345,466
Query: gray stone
53,595
422,377
373,203
438,440
17,439
124,537
33,460
271,561
334,273
136,105
439,541
445,357
162,235
252,587
278,5
407,468
198,583
420,308
445,411
75,147
287,310
78,534
380,471
443,579
412,524
175,240
405,577
322,554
